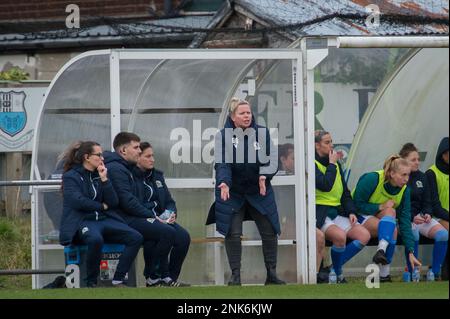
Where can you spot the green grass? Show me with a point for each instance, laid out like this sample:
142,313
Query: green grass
422,290
15,250
15,253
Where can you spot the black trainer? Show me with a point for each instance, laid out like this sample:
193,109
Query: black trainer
341,279
322,278
325,270
154,284
380,257
91,285
386,278
174,283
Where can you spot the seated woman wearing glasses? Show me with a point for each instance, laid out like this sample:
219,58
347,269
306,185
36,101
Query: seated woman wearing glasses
88,216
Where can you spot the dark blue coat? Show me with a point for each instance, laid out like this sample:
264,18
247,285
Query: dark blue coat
153,191
243,181
438,210
121,174
83,195
420,194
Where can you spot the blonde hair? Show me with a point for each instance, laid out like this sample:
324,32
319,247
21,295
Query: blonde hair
235,102
392,164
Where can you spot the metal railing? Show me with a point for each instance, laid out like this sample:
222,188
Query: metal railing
9,272
31,183
15,272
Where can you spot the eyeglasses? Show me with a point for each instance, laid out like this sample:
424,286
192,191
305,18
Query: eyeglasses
98,154
319,134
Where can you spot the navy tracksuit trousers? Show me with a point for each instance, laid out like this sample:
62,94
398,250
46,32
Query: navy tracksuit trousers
160,240
94,233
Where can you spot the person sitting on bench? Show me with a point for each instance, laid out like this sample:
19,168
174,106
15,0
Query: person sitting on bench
382,198
422,220
158,236
89,215
155,195
437,176
335,210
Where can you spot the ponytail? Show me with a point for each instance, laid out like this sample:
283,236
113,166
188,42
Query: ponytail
392,164
75,155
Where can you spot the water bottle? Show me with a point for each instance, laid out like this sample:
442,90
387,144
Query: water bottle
332,278
430,275
406,275
416,274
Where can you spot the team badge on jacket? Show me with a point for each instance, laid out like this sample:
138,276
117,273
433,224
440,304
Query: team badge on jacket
235,141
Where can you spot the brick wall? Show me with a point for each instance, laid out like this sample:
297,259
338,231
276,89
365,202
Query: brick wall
13,10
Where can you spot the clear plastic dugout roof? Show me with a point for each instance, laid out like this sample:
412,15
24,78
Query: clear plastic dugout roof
178,99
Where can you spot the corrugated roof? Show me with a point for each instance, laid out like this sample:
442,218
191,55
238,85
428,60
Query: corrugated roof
154,29
280,13
297,17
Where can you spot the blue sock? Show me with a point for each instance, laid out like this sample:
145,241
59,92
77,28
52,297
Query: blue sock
351,250
386,228
439,250
390,251
337,254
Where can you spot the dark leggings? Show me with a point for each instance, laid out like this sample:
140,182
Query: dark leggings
95,233
269,238
158,241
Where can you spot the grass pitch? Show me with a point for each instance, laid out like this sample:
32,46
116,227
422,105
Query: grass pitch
354,290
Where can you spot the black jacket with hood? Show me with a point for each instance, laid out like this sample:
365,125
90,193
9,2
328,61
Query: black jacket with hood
438,210
121,174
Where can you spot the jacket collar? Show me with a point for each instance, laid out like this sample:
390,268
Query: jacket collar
142,173
114,157
84,172
323,160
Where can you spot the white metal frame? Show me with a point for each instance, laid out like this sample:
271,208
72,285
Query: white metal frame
311,58
36,247
304,61
270,54
277,54
35,175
